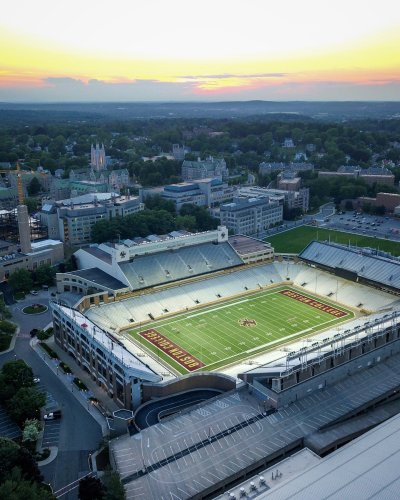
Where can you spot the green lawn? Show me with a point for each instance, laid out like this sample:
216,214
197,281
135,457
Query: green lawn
216,338
295,240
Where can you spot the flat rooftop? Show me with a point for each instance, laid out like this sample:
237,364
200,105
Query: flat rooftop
244,245
100,277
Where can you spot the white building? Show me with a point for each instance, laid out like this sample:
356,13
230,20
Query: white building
292,199
251,216
203,192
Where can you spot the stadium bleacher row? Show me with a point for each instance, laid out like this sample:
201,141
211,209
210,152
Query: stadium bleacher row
134,310
173,265
371,267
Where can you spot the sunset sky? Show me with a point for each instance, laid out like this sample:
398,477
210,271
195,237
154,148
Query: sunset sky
186,50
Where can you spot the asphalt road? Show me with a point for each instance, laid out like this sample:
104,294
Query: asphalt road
151,413
325,211
79,434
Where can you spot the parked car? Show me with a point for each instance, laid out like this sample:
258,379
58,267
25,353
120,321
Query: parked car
36,380
54,415
34,292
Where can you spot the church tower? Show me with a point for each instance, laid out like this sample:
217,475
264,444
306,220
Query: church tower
98,158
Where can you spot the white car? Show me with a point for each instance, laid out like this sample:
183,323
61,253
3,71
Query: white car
34,292
53,415
36,380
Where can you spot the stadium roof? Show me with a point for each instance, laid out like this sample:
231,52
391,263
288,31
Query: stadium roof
366,468
99,253
98,276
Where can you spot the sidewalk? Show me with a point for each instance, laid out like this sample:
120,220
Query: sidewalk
67,379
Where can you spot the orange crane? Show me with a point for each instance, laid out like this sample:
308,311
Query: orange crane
20,186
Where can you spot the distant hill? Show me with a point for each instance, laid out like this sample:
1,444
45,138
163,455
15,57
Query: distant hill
290,110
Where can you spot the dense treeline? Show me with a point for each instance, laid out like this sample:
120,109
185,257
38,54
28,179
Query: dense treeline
156,221
324,189
243,142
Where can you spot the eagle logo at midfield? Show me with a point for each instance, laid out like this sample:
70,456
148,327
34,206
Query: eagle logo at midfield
247,322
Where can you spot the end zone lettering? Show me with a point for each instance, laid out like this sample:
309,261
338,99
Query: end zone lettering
173,350
314,303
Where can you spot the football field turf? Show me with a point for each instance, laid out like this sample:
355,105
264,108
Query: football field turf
227,332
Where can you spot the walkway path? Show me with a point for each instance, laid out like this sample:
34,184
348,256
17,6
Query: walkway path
67,379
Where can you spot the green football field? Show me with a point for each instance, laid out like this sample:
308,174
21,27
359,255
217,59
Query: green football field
213,337
295,240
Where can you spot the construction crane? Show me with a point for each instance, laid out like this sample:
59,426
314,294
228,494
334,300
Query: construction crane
20,186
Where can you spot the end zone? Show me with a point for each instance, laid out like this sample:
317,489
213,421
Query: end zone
175,352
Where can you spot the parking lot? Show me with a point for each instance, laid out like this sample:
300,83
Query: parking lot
51,430
51,433
370,225
8,428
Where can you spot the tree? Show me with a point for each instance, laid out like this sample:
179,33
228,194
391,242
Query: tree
32,204
12,455
113,486
204,221
186,222
90,488
34,187
291,213
17,373
31,430
25,404
44,275
105,230
348,205
4,311
7,327
158,203
71,264
15,487
20,280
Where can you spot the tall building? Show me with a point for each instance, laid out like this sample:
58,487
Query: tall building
251,216
98,158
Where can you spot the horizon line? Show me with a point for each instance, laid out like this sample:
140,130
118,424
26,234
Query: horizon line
202,101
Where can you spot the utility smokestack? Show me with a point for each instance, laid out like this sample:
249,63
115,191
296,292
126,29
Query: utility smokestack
24,229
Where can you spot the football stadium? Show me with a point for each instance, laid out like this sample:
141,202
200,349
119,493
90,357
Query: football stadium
192,303
231,358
